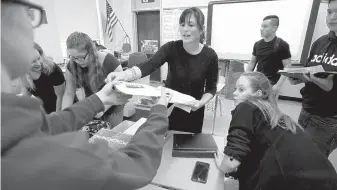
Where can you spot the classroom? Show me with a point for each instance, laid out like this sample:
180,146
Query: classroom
169,94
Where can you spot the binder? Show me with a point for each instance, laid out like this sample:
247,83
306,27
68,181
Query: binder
194,146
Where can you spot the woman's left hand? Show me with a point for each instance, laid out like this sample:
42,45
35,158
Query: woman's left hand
195,105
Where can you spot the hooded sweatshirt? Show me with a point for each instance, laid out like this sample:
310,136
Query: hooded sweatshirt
32,159
317,101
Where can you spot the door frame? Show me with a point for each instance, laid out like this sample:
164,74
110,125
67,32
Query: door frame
134,25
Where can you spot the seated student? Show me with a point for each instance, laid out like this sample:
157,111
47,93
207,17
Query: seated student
87,69
268,149
45,81
35,161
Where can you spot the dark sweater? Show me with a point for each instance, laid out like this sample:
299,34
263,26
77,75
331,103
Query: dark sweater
275,158
194,75
44,88
33,160
317,101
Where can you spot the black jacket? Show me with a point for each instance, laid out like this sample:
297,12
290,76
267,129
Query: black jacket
275,158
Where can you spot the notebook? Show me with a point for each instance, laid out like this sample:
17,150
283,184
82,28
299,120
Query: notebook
194,145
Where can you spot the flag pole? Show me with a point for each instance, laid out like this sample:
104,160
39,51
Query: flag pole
126,34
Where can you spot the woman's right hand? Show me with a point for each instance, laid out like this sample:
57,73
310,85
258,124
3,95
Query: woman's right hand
116,76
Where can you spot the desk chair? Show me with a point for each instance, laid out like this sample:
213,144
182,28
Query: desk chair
136,58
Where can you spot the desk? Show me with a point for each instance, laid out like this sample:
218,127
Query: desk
176,172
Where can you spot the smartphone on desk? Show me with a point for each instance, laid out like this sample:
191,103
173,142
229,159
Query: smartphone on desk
200,172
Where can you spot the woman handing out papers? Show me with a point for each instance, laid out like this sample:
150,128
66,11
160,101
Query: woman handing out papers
192,70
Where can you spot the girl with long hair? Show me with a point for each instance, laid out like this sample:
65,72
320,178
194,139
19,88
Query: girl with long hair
266,148
87,69
45,80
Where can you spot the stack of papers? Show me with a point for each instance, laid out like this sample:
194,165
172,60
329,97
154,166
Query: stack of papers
298,72
179,100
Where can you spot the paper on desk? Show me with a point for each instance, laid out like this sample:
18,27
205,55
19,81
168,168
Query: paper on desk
133,129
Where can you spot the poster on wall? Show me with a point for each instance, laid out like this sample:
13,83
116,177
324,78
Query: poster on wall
149,46
170,25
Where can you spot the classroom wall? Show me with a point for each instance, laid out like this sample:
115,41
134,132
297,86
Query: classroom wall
123,11
76,15
138,5
48,35
180,3
320,27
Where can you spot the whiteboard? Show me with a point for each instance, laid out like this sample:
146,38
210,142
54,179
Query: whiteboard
236,26
170,24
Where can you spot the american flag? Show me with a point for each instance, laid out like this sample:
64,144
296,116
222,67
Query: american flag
111,21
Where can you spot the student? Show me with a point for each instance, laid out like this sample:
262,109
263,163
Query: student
45,81
192,70
87,69
33,160
319,107
271,53
268,149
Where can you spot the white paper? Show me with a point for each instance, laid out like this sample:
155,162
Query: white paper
133,129
137,89
183,107
313,69
219,87
177,97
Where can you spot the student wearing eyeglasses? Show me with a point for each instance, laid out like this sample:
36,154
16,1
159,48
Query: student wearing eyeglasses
87,69
45,81
33,160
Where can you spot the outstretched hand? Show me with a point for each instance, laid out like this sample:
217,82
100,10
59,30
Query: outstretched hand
165,97
110,97
115,77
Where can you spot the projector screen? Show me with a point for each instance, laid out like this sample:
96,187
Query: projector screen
234,26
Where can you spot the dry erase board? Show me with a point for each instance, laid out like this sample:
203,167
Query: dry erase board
234,26
170,23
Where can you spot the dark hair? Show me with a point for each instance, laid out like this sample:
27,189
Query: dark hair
330,1
274,19
199,16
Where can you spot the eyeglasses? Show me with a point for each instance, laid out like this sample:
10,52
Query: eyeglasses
79,58
35,11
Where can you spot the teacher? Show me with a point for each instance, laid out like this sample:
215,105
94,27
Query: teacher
192,70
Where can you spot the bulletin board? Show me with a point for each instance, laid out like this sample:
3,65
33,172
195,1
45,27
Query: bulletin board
170,23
